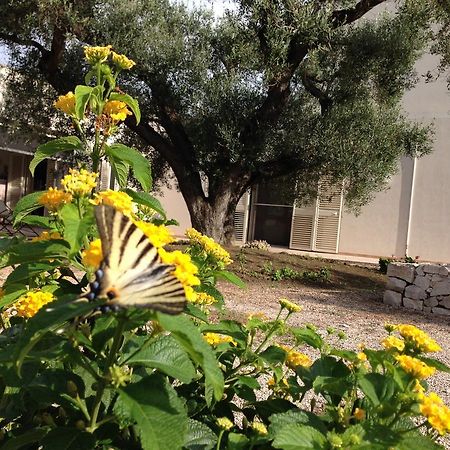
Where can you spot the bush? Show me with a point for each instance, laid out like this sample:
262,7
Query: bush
136,378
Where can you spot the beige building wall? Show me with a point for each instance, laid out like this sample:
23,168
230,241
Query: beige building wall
382,228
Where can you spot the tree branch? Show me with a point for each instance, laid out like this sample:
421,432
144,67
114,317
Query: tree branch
345,16
324,100
21,41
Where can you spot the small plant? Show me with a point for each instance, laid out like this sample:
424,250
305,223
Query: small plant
323,275
383,264
285,273
241,259
260,245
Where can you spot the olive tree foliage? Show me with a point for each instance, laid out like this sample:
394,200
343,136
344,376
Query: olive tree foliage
288,88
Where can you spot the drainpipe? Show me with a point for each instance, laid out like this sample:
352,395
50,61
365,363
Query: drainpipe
411,201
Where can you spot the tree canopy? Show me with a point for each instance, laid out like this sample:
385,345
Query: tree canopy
303,89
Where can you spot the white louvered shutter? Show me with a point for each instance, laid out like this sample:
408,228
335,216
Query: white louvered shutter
105,176
329,206
241,216
303,227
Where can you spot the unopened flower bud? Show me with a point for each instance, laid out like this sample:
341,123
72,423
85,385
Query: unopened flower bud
72,388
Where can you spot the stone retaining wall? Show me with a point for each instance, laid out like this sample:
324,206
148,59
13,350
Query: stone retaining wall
425,287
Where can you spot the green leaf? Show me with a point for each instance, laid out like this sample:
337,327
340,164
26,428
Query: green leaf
26,205
120,169
139,163
273,355
157,410
76,228
82,96
294,436
65,438
24,439
199,436
29,252
130,101
228,327
298,416
37,221
44,151
377,388
146,199
307,336
24,272
231,277
12,293
416,441
48,318
189,337
166,355
332,385
237,442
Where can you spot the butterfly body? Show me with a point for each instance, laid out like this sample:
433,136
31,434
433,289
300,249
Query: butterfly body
131,272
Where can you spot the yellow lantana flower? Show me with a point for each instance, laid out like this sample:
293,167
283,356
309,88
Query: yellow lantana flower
214,339
296,359
117,110
259,427
53,199
209,246
417,368
290,306
79,182
158,235
359,414
96,55
418,339
202,298
122,61
436,412
93,255
224,423
46,236
393,342
66,103
31,302
119,200
185,270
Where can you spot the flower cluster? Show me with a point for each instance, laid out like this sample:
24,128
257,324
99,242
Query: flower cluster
436,412
96,55
47,235
209,246
30,303
185,270
158,235
259,428
415,367
116,110
122,62
290,306
66,103
393,343
119,200
202,298
296,359
417,339
79,182
214,339
224,423
92,256
53,199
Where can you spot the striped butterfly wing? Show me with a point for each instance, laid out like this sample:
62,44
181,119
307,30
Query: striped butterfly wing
131,273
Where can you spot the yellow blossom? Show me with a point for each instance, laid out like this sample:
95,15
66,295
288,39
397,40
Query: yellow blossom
415,367
296,359
93,255
290,306
47,235
79,182
117,110
119,200
224,423
202,298
436,412
359,414
214,339
96,55
259,427
185,270
66,103
361,356
209,246
158,235
417,338
393,342
53,199
31,302
122,61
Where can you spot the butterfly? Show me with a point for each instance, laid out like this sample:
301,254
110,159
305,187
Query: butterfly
131,272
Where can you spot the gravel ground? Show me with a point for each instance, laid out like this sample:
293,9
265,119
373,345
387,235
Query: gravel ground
360,314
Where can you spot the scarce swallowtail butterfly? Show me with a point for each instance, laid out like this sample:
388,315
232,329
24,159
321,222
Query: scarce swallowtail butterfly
131,272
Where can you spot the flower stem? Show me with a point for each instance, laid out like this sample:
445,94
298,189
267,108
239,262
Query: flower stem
220,439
